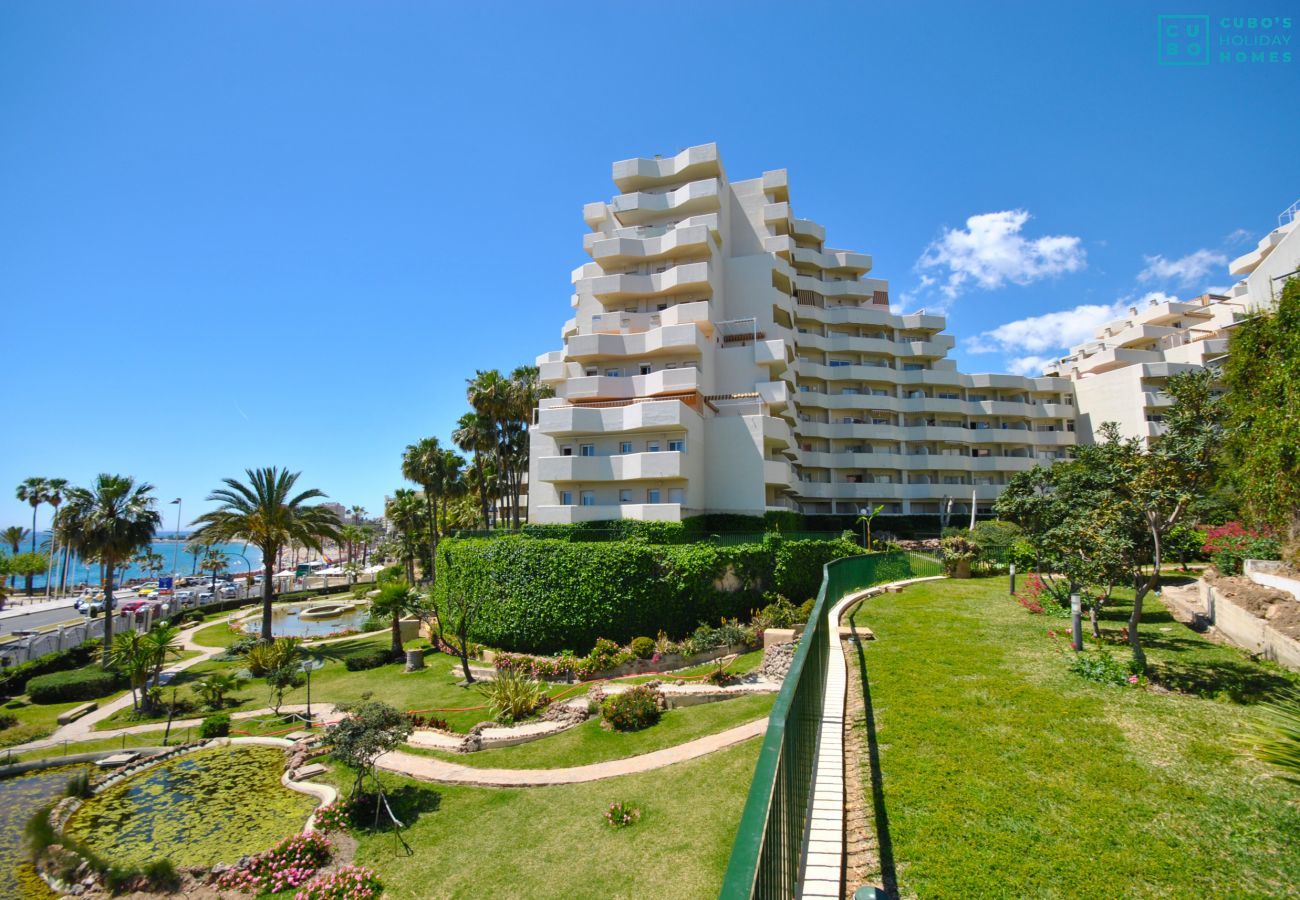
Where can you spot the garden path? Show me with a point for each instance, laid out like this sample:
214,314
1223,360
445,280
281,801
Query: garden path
429,769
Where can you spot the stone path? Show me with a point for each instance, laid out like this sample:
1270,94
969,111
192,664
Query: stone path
428,769
822,862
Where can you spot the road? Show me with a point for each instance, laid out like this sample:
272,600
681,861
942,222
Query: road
16,620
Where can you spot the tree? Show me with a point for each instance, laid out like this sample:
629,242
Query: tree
216,562
369,730
109,521
150,563
351,535
504,408
214,688
128,655
397,599
28,565
437,472
14,536
457,614
1275,738
33,492
267,513
161,644
405,513
1262,374
475,434
54,488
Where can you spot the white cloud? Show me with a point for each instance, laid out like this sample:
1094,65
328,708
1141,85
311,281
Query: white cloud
1185,271
1237,236
1029,365
1050,331
991,252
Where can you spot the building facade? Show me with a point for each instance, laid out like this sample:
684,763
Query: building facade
723,359
1120,376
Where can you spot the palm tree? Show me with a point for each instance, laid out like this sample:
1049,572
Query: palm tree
14,536
397,599
436,471
216,562
127,654
352,535
265,512
406,515
110,521
477,435
54,488
195,549
358,513
33,492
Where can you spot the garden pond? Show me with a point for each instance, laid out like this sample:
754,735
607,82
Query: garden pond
198,809
297,620
20,797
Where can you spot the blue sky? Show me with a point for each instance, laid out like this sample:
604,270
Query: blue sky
241,234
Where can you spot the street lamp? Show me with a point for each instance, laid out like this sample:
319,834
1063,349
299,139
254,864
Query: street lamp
176,547
307,665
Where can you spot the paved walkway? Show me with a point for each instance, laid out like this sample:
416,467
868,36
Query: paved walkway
427,768
822,865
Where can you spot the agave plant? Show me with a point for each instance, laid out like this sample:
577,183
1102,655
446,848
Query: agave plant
266,658
513,695
1276,738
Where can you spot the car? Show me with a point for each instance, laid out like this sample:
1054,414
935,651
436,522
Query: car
228,592
132,606
184,598
206,596
90,606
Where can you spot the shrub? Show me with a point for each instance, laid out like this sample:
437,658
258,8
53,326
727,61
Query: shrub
14,680
806,608
214,726
336,816
546,595
78,785
7,720
1099,666
350,882
289,864
239,647
79,684
780,613
513,696
632,710
1229,545
371,659
957,550
162,875
621,815
266,658
995,540
642,647
419,721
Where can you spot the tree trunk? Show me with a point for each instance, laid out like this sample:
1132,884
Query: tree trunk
433,532
464,658
1092,615
268,595
108,610
482,488
397,635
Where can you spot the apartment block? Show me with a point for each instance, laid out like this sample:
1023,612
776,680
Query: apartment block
723,358
1120,376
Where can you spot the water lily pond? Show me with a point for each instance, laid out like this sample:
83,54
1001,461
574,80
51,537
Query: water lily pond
288,619
199,809
20,798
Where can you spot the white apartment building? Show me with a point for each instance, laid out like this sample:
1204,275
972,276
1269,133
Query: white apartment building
1120,376
722,358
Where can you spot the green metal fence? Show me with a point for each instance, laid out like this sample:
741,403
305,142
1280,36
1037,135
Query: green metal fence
765,857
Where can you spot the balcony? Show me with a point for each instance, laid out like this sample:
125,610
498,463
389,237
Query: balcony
683,279
778,472
808,228
833,260
688,200
674,340
683,241
771,353
694,313
691,164
648,415
604,387
646,512
622,467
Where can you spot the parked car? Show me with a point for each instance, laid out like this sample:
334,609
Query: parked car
206,596
132,606
184,598
228,592
90,606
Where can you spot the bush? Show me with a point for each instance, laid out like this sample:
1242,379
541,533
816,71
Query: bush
14,680
513,696
214,726
621,815
266,658
995,540
7,720
79,684
1229,545
642,647
371,659
350,882
632,710
162,875
78,785
548,595
1100,667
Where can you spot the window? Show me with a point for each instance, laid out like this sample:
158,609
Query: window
612,373
624,496
652,447
625,447
566,498
677,446
588,498
645,368
566,451
592,372
652,495
587,450
676,495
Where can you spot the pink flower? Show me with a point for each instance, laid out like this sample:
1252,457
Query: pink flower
1132,679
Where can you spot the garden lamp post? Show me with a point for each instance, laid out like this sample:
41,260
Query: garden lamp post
176,545
1076,622
307,665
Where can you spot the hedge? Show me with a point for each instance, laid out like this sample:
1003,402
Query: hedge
78,684
542,595
14,680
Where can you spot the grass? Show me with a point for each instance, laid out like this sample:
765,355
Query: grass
432,691
1000,773
35,720
553,842
589,743
219,634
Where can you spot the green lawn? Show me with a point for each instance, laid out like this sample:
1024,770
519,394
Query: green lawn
35,720
433,690
219,634
553,842
589,743
1003,774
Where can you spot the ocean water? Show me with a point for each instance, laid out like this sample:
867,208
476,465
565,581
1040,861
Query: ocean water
185,562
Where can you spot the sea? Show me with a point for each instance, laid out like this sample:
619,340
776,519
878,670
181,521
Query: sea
166,546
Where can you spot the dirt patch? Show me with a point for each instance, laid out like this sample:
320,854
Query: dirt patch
1278,608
